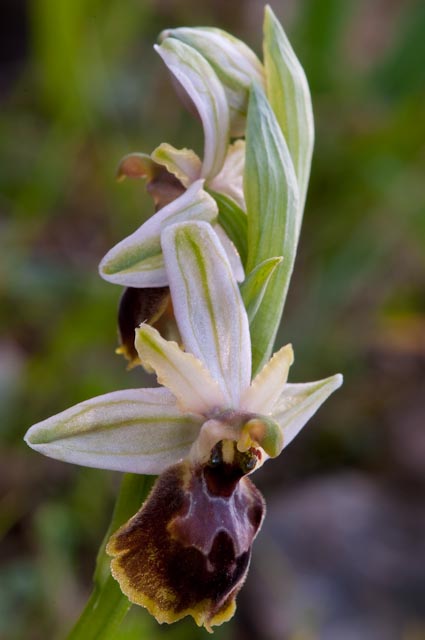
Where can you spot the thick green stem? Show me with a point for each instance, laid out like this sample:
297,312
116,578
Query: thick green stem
107,606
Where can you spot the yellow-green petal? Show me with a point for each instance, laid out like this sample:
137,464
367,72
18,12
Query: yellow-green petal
268,385
184,164
182,373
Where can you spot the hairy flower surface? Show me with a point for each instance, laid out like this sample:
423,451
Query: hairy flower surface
186,552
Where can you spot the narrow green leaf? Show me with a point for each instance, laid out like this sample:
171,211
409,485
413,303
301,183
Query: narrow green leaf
255,285
108,606
271,194
234,222
134,489
289,96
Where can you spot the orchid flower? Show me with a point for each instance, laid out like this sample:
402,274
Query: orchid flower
136,261
187,551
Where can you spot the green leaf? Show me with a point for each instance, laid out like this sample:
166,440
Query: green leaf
234,222
271,194
255,285
289,96
107,605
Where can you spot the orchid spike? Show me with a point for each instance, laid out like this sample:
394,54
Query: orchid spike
187,551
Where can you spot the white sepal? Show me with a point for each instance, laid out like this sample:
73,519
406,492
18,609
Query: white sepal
203,88
136,430
208,306
234,62
299,402
137,260
231,253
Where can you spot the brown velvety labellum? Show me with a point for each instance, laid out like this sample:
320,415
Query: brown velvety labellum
164,188
187,551
162,185
137,306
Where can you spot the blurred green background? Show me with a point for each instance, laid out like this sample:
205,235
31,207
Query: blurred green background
342,552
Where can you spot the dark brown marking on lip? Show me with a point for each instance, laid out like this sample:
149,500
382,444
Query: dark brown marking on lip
178,555
137,306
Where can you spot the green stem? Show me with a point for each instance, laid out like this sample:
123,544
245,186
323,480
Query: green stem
107,605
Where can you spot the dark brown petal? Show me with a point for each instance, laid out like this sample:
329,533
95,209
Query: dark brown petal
187,551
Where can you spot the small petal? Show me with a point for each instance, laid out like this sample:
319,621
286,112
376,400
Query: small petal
137,260
187,551
267,386
184,164
136,430
235,64
199,80
230,179
299,402
181,372
208,306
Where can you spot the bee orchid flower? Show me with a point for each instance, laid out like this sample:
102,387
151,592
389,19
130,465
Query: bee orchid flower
176,178
212,72
205,430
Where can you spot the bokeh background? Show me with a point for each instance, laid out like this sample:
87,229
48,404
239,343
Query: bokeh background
342,552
